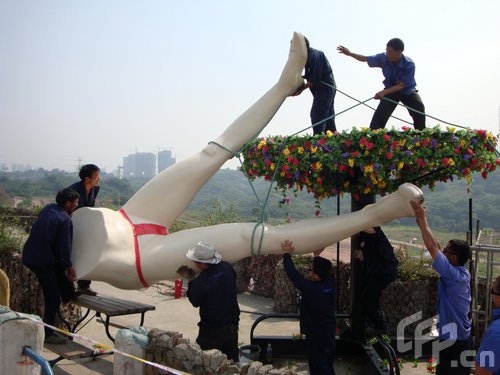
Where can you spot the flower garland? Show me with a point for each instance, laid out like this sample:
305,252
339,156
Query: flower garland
365,161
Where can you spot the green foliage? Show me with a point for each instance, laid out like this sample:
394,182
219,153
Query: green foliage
114,192
11,230
218,212
413,269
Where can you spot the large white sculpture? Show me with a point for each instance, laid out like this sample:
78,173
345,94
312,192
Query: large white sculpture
131,249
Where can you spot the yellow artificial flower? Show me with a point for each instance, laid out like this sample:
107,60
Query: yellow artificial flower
368,169
462,143
272,166
401,164
367,190
329,133
313,149
261,144
402,142
451,129
351,162
286,152
319,166
451,161
300,150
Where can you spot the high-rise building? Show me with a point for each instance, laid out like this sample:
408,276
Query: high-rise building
140,164
165,160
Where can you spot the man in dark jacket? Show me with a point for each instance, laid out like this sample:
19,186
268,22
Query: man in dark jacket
214,292
380,269
47,253
320,81
317,310
87,188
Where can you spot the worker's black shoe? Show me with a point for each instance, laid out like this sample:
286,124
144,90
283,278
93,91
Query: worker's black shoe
88,291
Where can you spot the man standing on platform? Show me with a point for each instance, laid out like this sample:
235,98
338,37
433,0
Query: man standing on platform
399,83
87,188
320,81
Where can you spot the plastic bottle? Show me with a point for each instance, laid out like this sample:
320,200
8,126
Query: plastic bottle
269,353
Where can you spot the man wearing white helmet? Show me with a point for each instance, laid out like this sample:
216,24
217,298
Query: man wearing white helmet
214,292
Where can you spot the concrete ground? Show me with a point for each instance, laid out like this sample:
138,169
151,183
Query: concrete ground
178,315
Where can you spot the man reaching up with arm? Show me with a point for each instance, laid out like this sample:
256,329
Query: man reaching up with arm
454,296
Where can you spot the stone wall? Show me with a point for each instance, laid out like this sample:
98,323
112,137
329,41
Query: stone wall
172,350
25,293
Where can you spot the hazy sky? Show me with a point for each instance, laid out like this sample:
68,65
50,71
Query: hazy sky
101,79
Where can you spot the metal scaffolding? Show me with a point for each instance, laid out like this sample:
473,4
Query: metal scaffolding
486,251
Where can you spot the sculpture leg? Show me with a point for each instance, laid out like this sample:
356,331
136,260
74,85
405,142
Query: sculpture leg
167,195
162,256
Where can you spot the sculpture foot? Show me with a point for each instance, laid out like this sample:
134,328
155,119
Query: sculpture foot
408,193
291,77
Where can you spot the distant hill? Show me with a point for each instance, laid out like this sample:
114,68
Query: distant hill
448,204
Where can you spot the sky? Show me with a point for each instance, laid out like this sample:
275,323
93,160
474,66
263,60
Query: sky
93,81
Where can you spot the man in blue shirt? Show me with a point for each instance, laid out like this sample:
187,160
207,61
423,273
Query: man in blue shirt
320,81
317,310
454,296
488,356
87,188
214,292
47,253
399,83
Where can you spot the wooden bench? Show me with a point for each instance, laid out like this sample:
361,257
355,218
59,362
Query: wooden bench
109,307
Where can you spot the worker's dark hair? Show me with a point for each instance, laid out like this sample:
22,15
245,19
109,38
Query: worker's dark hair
322,267
88,170
461,249
307,42
496,285
396,44
66,195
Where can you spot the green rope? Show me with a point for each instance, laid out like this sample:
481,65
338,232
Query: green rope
423,113
262,206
